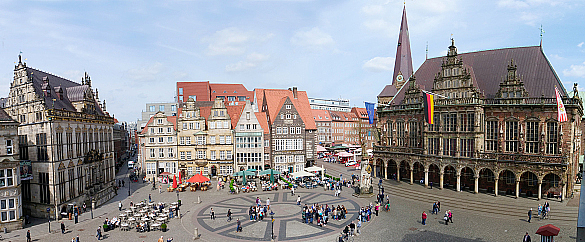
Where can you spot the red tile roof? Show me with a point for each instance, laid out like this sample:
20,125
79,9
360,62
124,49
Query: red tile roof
205,112
146,126
274,97
205,91
489,67
173,119
321,115
235,112
259,97
262,120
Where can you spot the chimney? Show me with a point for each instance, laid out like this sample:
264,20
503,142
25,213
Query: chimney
294,90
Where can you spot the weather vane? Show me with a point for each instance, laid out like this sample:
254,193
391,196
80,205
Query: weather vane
541,32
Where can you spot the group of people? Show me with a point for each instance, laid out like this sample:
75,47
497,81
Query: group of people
111,224
448,217
320,213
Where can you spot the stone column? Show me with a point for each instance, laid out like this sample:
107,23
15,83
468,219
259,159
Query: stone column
564,192
441,180
411,177
496,187
517,189
476,190
539,190
426,177
398,173
385,170
458,182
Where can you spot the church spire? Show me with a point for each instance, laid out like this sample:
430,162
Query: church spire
403,61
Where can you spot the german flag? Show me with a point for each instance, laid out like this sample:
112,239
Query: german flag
429,105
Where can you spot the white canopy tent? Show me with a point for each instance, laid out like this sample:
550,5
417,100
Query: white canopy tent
301,174
314,169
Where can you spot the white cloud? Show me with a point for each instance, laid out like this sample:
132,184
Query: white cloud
512,4
373,9
379,64
314,38
575,70
580,44
253,60
145,73
229,41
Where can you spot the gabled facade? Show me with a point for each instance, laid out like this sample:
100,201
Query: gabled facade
192,136
249,145
324,124
220,139
288,138
367,132
11,216
159,146
67,136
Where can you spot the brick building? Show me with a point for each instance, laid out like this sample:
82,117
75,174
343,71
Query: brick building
205,91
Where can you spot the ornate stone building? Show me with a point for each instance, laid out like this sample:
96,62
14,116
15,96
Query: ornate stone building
495,126
192,136
67,135
220,146
11,216
249,145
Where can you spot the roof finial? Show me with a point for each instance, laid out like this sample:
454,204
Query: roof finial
427,51
541,32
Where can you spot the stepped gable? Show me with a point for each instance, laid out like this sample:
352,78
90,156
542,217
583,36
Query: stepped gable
301,102
489,68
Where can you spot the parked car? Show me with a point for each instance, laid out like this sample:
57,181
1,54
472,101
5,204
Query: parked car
350,163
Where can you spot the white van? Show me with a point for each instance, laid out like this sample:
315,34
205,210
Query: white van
130,164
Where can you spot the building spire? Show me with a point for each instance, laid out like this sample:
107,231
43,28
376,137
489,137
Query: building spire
403,61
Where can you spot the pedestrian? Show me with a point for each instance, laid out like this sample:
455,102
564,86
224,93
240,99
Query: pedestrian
446,218
28,236
526,238
229,215
450,216
434,211
292,191
431,183
424,218
159,189
77,238
76,214
120,205
377,208
529,215
238,226
299,200
161,239
212,213
84,207
123,183
62,228
149,198
268,203
359,226
539,210
439,206
99,233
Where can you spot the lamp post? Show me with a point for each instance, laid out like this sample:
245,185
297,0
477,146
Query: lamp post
178,204
129,181
91,208
272,218
49,217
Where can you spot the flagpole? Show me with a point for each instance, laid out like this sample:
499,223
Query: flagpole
434,94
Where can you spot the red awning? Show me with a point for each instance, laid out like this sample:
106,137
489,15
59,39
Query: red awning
548,230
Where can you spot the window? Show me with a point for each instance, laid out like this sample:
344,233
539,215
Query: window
449,146
222,139
161,152
226,124
200,154
242,127
188,140
212,154
491,136
42,147
552,138
181,140
200,140
278,130
6,178
248,115
511,136
197,125
170,139
8,209
433,146
44,188
152,153
292,130
212,140
222,155
184,126
288,116
466,147
532,137
449,122
188,155
169,130
23,147
211,125
151,108
288,106
160,130
281,116
401,134
284,130
228,139
161,108
151,130
190,170
173,108
467,122
414,129
182,155
194,97
9,147
229,155
180,91
161,139
170,152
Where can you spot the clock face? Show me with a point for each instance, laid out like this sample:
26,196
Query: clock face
399,77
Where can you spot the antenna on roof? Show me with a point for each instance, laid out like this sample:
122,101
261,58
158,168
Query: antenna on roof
427,51
541,32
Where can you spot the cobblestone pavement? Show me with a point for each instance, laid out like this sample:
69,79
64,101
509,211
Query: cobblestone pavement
477,217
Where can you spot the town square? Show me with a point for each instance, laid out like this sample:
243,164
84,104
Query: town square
296,120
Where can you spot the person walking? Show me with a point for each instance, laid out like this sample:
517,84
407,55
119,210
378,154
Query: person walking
28,236
526,238
377,208
268,203
424,218
77,238
159,189
123,183
292,191
450,216
84,207
439,206
161,239
62,228
529,215
99,233
212,214
120,206
238,226
446,218
431,183
229,215
299,200
149,198
359,226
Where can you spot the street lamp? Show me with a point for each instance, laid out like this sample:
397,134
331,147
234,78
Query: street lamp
272,217
178,204
49,217
91,208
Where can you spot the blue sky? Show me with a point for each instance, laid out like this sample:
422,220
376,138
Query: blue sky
136,51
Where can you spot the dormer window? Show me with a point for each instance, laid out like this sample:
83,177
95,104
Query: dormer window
287,116
288,106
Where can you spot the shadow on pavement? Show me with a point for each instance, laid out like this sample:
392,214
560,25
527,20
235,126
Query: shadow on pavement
429,236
